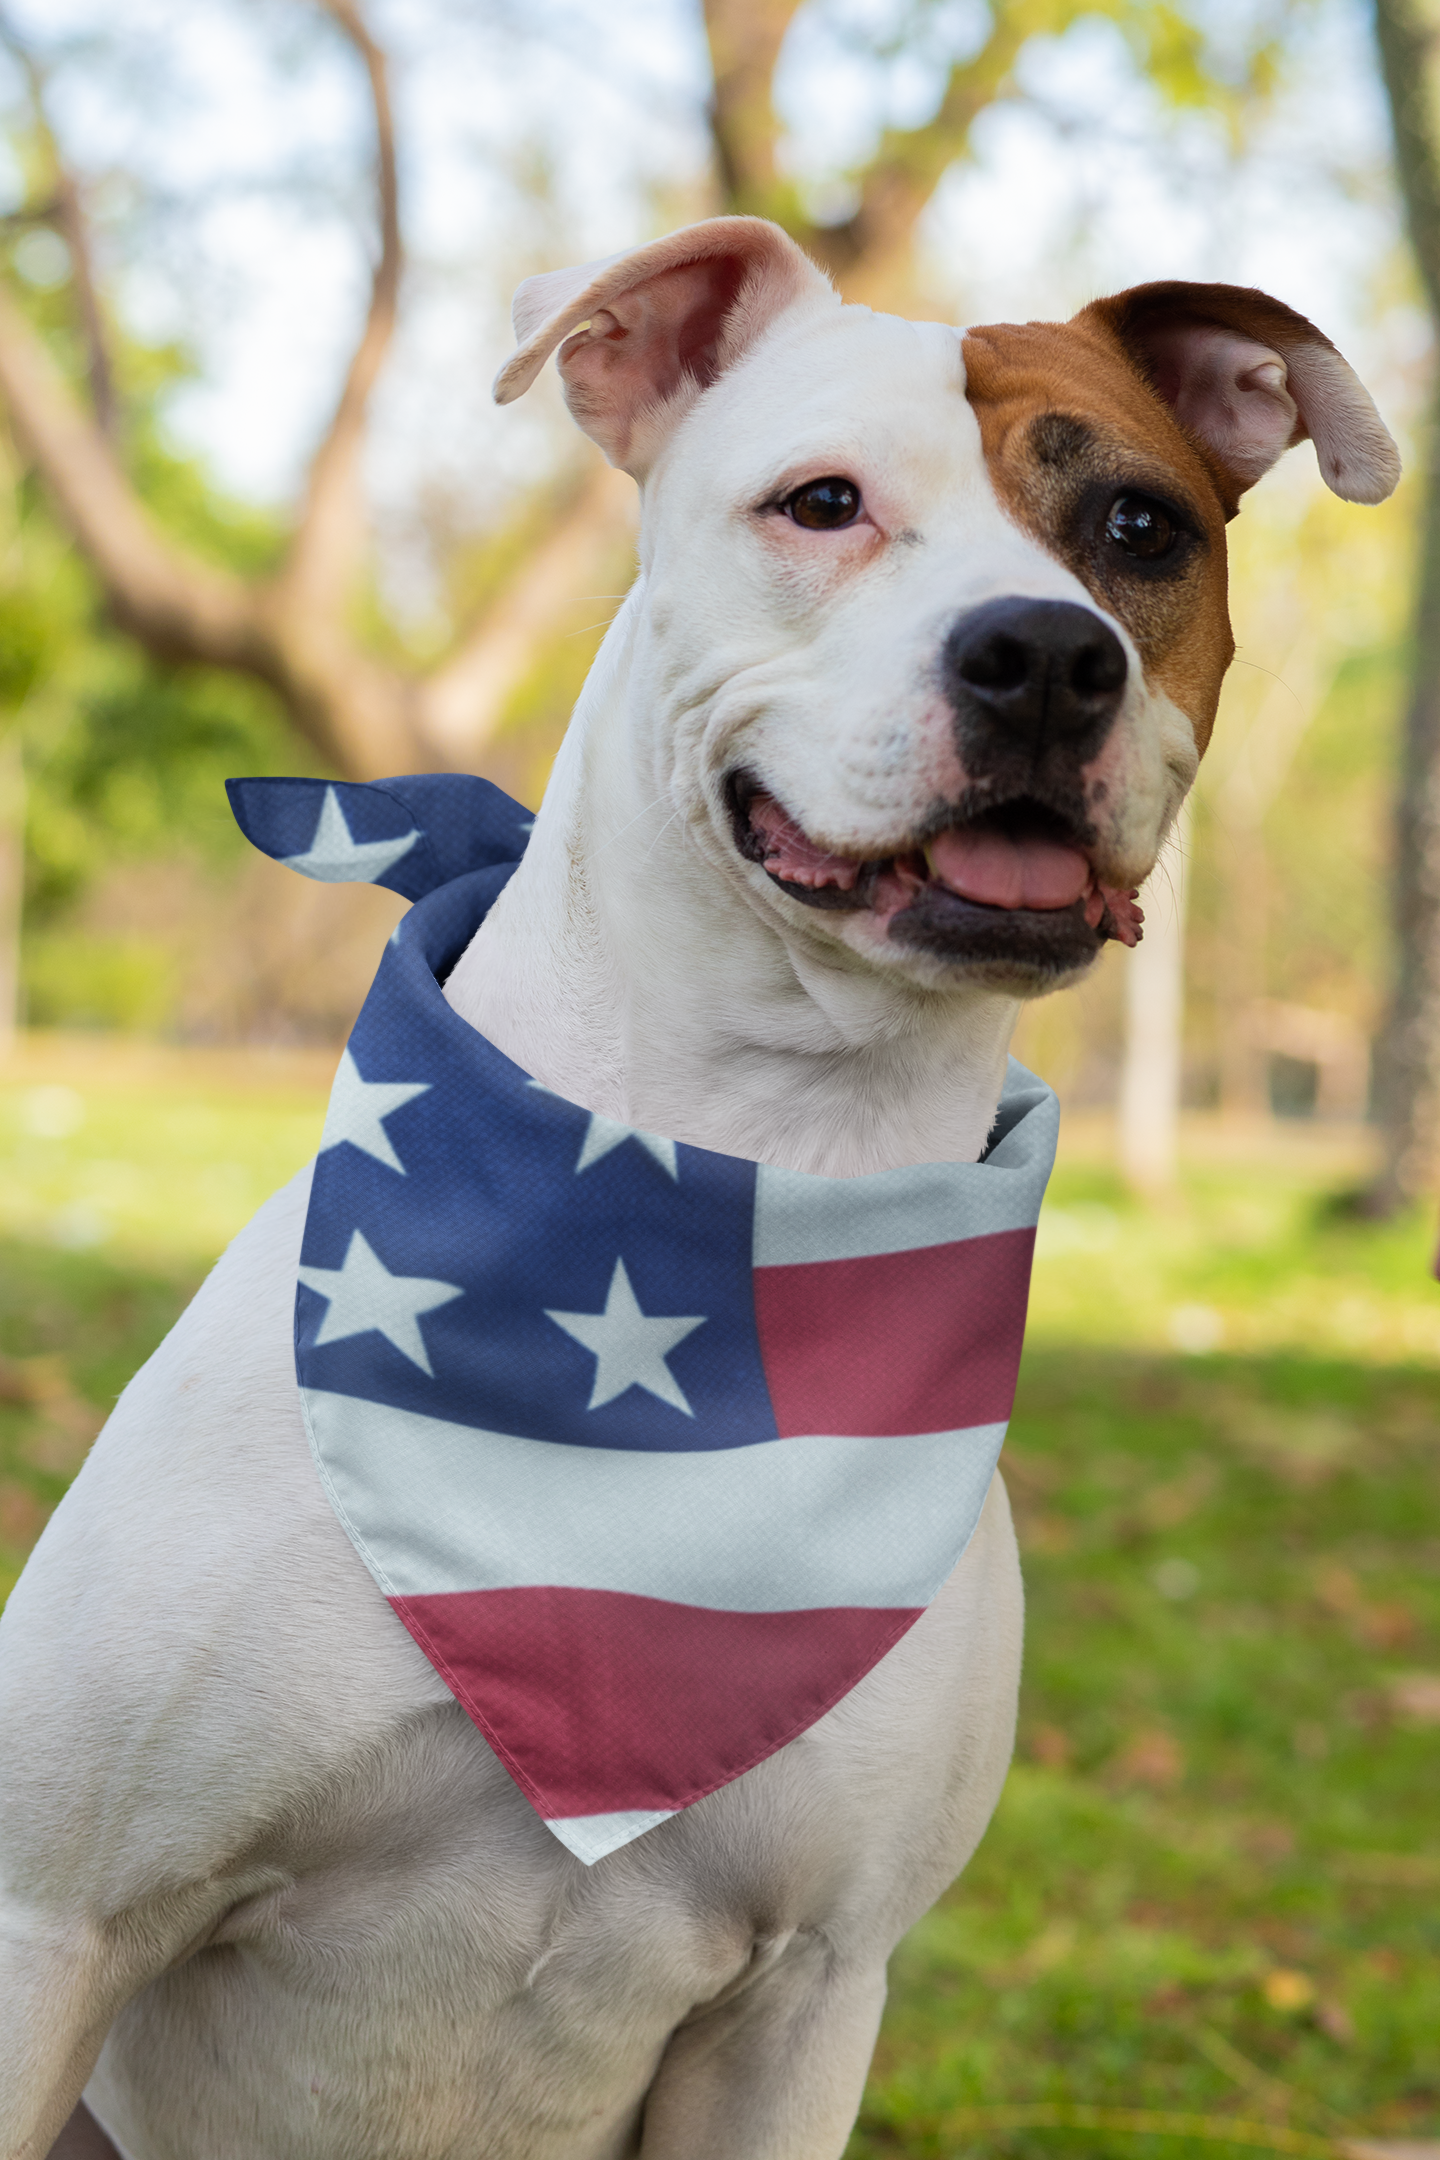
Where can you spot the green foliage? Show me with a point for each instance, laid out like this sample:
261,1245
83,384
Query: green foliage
27,635
125,759
1175,49
131,765
122,1175
80,980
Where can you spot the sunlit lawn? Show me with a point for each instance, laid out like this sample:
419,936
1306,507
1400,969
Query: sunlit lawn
1213,1884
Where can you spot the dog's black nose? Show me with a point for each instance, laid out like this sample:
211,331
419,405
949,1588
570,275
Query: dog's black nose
1040,671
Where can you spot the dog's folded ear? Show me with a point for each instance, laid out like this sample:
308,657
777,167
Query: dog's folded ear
645,331
1248,377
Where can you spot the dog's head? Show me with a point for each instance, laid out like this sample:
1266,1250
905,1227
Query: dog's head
933,622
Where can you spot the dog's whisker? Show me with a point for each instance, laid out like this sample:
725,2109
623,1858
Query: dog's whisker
595,853
677,813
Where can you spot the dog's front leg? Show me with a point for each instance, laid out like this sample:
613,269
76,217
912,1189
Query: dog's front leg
62,1983
774,2073
66,1974
56,2012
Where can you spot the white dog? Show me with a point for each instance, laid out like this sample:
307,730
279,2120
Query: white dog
924,649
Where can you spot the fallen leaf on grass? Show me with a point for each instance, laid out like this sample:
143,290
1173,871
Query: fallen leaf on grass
69,1422
1338,1589
1151,1758
1050,1948
22,1517
1416,1695
1044,1533
1287,1990
1391,2148
1385,1626
1302,1447
1050,1746
1388,1871
1335,2021
1169,1998
1165,1507
1268,1841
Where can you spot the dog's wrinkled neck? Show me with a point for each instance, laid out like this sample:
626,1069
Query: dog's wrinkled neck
622,968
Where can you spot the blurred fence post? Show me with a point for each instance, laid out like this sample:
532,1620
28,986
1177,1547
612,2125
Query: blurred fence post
12,881
1155,1023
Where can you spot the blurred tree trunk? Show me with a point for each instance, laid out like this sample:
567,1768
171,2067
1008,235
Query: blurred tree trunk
868,253
1244,775
1407,1052
1150,1077
12,880
292,630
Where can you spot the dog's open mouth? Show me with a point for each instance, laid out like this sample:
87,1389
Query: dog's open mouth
1014,884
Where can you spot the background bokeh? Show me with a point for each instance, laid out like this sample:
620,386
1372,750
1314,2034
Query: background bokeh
1208,1907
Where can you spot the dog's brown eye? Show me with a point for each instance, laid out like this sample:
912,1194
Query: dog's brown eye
822,505
1140,526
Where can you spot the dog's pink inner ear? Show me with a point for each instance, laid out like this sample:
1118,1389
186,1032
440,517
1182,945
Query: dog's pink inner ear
1227,389
1248,377
638,330
635,353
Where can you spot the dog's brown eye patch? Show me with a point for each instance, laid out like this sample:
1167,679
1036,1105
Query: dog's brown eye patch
1141,526
824,505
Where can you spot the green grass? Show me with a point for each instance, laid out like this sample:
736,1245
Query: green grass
1213,1884
123,1174
1217,1781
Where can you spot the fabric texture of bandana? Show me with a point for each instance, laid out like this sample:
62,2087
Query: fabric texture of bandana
655,1452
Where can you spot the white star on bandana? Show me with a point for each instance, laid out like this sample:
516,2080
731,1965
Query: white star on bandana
363,1294
629,1348
603,1133
335,858
359,1108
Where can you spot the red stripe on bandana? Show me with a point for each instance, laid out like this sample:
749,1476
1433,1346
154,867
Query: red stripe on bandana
896,1343
598,1701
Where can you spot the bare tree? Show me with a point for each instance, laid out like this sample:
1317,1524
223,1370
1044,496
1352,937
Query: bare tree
290,630
868,253
1408,1050
293,629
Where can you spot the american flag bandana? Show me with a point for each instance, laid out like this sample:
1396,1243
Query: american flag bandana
655,1452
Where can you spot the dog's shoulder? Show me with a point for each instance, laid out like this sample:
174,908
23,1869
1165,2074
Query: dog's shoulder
193,1601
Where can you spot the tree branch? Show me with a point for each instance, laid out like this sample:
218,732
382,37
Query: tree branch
67,214
1407,1048
361,716
463,702
1407,52
358,714
745,39
909,164
329,536
177,607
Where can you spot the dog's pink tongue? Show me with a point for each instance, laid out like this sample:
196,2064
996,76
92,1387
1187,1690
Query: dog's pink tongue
1001,872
